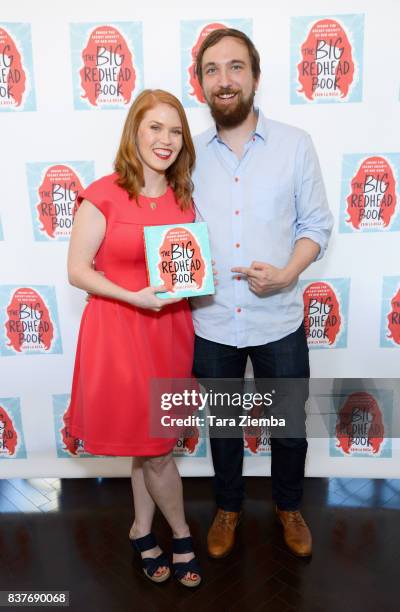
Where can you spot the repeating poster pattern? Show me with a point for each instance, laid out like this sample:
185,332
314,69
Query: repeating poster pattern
29,320
390,312
12,442
17,90
53,190
326,62
66,444
370,193
257,441
107,64
193,443
192,35
326,312
363,424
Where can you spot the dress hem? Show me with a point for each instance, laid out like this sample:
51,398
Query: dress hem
122,451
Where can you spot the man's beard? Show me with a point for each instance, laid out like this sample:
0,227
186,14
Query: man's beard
230,117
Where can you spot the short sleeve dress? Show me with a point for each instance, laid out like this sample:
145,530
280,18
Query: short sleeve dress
121,347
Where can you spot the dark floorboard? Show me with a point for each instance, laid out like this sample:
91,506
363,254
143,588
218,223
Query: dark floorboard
71,535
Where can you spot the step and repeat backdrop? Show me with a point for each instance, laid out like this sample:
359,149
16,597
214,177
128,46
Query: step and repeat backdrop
68,74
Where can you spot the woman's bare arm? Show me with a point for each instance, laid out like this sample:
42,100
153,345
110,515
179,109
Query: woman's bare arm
87,234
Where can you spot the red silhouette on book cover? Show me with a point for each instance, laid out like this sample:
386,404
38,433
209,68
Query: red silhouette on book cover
8,434
12,62
326,43
29,321
107,51
321,302
374,179
182,265
360,417
394,318
59,188
194,81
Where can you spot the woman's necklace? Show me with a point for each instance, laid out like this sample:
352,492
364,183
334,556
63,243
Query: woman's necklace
150,200
152,204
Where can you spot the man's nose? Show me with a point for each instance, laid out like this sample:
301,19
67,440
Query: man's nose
224,77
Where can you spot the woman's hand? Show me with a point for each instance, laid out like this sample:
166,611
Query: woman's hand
146,298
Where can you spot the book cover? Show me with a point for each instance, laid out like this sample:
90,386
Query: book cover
178,256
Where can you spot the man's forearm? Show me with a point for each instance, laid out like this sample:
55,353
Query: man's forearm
304,253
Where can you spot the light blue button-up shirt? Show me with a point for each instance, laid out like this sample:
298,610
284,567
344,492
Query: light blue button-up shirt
256,208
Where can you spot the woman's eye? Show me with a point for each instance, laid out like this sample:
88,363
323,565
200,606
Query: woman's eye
154,127
177,132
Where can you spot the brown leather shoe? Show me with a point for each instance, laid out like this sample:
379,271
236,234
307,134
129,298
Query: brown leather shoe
296,534
221,537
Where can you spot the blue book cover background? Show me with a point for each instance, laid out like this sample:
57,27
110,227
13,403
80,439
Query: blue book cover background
178,256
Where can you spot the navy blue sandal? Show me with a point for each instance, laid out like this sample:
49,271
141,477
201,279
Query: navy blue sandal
149,565
181,546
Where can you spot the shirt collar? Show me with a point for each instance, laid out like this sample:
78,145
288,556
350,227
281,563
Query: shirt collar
261,129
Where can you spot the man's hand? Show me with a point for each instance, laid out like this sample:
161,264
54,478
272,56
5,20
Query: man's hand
264,278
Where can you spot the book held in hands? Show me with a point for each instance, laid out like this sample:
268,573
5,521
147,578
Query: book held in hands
178,256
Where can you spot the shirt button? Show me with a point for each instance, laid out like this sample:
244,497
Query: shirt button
237,212
237,245
238,277
254,138
238,310
236,179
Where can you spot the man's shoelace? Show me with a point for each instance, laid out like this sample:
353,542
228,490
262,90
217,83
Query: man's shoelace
224,520
295,517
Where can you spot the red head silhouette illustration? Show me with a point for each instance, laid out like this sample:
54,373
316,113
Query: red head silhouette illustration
8,434
57,205
193,80
360,418
28,325
327,66
191,439
181,262
253,435
11,66
108,74
322,318
394,319
373,194
253,441
73,445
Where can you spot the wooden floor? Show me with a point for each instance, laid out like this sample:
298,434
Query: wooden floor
72,535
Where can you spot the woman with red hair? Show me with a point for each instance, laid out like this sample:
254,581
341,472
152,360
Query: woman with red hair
129,335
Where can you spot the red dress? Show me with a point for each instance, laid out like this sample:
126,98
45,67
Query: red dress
121,347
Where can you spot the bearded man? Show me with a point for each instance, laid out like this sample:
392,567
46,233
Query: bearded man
258,186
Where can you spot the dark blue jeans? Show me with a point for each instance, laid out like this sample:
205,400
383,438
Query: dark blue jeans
285,358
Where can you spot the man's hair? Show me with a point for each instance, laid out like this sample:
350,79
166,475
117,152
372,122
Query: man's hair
214,37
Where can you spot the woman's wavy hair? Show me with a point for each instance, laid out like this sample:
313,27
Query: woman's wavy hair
127,163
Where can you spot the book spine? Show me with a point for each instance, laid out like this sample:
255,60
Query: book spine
145,256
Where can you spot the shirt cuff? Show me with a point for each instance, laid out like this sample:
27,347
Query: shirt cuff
316,237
